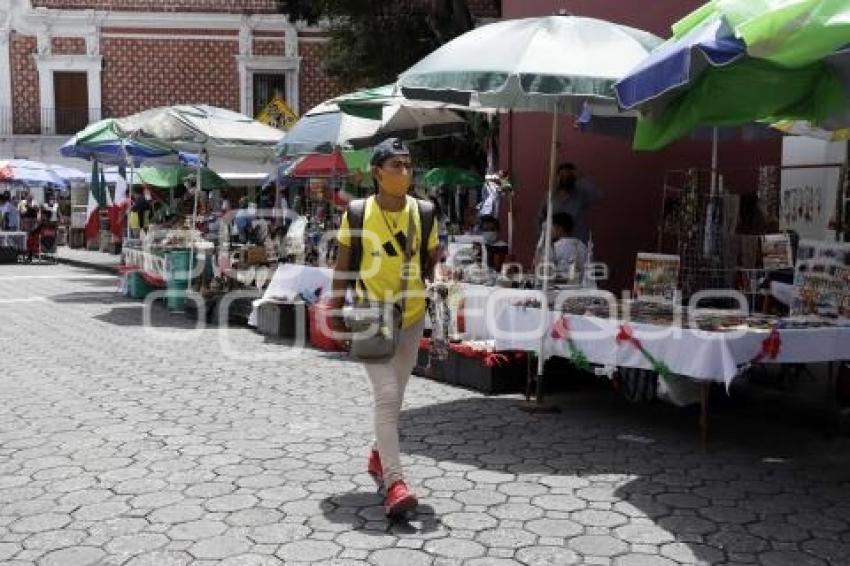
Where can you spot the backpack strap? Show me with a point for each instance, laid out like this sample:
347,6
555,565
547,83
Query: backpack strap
426,221
356,213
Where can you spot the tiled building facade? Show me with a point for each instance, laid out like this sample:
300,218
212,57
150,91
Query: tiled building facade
71,62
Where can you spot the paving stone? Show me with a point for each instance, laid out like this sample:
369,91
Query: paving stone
598,545
642,560
365,540
559,502
516,511
219,547
161,558
469,521
691,553
643,534
830,550
230,503
278,533
787,558
196,530
506,538
481,497
597,518
250,560
73,556
681,525
178,513
101,511
396,556
129,545
39,523
308,551
454,548
739,542
546,556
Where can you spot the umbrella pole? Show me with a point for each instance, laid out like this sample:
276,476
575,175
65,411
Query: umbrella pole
538,405
713,161
192,228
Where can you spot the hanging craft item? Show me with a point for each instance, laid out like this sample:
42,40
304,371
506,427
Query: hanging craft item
561,331
627,335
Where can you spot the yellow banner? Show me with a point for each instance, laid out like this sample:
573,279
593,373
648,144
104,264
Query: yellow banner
277,114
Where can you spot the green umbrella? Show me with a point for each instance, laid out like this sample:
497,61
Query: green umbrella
452,176
733,62
173,176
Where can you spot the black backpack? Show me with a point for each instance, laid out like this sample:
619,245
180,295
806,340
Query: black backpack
357,211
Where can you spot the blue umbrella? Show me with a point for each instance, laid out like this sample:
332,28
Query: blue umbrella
676,64
105,142
29,173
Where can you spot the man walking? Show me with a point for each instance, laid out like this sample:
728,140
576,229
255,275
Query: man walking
375,258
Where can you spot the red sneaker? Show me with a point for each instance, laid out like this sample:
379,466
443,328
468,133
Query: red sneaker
399,499
375,469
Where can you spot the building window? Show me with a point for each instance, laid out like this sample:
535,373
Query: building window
267,86
71,99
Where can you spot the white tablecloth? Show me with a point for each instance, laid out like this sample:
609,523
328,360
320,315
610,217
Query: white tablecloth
14,240
700,355
291,279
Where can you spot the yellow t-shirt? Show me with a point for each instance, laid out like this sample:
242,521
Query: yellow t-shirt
381,270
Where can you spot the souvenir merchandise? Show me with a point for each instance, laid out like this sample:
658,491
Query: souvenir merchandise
822,279
776,251
656,277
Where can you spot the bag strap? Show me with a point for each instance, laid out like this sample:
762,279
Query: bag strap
408,254
355,214
427,214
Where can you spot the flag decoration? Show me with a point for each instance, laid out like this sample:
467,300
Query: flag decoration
98,197
118,209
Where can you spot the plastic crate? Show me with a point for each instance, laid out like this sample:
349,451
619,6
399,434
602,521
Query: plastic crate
318,327
137,287
283,320
473,373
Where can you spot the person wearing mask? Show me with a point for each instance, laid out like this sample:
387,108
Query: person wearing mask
573,195
568,255
385,227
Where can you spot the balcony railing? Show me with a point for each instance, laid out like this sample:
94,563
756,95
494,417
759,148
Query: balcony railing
47,121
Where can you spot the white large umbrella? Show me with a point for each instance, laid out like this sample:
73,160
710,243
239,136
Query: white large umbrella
364,118
201,127
554,64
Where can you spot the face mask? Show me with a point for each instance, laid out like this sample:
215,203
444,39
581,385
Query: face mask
394,184
490,237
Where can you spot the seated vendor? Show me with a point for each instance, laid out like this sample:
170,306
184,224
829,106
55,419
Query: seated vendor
488,227
568,254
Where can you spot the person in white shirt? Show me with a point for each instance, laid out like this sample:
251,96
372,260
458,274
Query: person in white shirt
568,254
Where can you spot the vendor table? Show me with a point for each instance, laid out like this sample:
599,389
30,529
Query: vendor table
697,354
14,240
703,356
289,280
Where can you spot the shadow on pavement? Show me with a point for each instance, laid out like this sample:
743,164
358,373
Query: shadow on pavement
364,512
134,315
92,297
602,462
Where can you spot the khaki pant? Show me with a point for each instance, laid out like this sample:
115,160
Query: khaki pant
389,379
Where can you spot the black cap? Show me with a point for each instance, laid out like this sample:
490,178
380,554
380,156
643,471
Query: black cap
388,148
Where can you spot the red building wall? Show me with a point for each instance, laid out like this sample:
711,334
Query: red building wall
26,113
625,222
314,84
142,73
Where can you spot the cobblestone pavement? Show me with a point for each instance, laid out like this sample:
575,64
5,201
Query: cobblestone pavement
162,445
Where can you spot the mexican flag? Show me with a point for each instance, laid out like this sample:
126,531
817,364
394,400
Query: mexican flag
98,197
118,209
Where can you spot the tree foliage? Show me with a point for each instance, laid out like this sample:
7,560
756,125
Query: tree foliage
372,41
